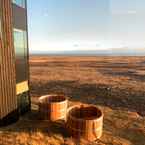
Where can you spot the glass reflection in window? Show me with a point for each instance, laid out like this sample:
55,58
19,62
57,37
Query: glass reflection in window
20,3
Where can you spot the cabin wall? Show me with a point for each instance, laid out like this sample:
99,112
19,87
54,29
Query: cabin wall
8,99
14,61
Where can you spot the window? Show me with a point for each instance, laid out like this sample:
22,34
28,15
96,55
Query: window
21,3
20,42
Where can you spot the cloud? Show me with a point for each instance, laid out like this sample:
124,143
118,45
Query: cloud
76,45
131,12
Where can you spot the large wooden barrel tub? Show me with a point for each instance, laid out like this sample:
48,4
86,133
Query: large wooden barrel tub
85,122
53,107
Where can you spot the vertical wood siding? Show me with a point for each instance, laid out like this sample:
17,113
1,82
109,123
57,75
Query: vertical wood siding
8,100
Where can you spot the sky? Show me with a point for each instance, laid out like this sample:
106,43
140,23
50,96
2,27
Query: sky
59,25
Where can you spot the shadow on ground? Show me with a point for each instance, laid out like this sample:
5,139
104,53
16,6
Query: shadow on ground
93,93
32,130
132,74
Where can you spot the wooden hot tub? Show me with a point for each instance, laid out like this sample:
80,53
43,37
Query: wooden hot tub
53,107
85,121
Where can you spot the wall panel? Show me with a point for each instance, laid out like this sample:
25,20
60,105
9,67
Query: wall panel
8,100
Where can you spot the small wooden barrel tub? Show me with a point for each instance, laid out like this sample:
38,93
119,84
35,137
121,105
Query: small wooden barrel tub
85,121
53,107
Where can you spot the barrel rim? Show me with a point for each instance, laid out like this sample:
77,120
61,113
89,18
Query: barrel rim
51,95
82,119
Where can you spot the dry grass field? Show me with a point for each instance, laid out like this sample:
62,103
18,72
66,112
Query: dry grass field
115,84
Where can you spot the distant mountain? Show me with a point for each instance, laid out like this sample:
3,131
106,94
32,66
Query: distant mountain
128,51
107,52
78,52
87,52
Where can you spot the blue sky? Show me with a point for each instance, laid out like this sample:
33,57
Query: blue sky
58,25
